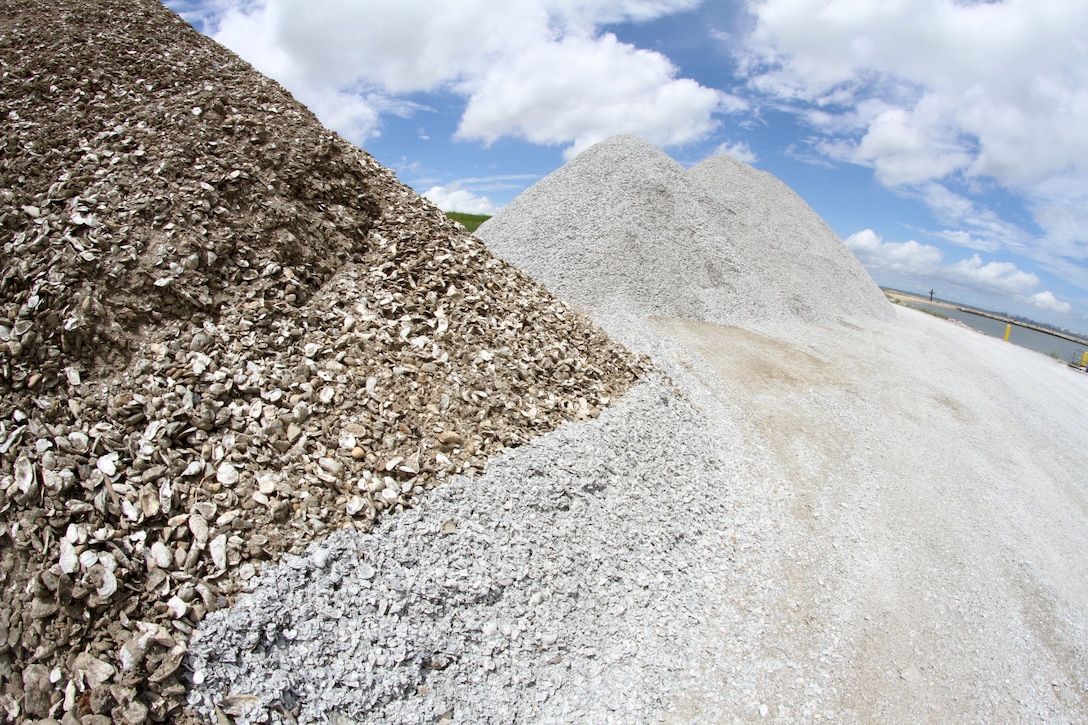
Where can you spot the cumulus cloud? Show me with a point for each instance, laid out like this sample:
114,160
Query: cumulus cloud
1047,301
354,116
935,90
926,262
454,198
1006,74
584,90
536,69
903,152
908,257
998,277
739,150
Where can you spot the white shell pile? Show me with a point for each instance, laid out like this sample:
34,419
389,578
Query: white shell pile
625,229
789,246
223,331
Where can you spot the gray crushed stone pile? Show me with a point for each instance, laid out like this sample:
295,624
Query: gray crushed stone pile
562,585
624,230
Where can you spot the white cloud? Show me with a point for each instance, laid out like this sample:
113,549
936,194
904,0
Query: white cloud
998,277
586,14
584,90
354,116
1047,301
252,32
537,69
1061,207
907,257
902,152
452,198
986,230
928,91
964,239
1005,72
926,262
256,33
739,150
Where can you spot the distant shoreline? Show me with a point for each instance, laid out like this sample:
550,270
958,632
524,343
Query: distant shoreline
908,297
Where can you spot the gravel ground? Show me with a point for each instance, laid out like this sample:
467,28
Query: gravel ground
882,524
928,522
563,585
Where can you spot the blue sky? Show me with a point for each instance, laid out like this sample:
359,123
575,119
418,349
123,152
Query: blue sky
946,141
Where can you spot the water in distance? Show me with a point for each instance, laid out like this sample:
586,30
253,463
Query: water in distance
1022,336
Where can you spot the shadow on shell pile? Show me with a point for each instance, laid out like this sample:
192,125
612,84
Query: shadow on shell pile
223,331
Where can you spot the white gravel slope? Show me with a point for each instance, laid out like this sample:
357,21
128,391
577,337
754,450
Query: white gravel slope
623,225
782,237
925,553
863,525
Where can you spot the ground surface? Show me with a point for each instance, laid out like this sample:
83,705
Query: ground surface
906,298
929,487
880,524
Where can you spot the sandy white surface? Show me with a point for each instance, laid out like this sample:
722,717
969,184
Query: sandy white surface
922,493
882,523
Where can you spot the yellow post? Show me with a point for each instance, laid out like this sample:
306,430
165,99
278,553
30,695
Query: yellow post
1084,360
1008,329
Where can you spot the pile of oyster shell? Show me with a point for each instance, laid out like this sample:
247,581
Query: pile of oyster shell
223,332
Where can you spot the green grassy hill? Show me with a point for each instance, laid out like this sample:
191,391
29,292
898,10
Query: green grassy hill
470,222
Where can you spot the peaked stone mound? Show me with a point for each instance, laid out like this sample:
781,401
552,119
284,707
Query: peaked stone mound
619,225
223,332
623,227
785,234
